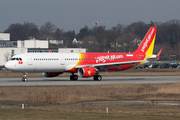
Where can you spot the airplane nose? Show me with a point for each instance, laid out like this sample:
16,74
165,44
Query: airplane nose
8,66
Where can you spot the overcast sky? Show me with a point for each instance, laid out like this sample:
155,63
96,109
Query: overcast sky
75,14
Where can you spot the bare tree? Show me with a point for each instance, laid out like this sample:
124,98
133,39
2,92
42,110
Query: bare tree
7,56
90,43
47,30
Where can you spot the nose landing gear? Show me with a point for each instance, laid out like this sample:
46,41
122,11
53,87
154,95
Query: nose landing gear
24,79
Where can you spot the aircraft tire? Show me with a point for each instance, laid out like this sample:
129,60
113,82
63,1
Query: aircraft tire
97,78
24,79
73,77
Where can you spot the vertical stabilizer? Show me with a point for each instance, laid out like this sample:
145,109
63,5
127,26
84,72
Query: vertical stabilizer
147,45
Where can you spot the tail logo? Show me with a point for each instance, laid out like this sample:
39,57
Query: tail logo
147,40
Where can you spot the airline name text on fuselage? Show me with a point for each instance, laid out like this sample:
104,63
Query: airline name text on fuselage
107,57
147,40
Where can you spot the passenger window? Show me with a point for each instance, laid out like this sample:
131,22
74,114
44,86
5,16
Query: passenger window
20,59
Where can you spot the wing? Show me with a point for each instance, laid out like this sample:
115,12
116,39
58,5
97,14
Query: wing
114,64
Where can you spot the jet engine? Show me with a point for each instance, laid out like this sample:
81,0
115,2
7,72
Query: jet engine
87,71
51,74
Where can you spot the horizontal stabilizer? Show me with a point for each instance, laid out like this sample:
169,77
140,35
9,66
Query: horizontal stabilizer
154,57
159,53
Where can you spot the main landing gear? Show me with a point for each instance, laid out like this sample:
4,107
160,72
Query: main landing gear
97,78
24,79
73,77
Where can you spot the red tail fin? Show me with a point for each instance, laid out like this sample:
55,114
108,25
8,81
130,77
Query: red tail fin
147,45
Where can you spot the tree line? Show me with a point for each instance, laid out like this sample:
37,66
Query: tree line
122,38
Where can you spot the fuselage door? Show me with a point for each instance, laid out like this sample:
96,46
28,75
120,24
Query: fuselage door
62,61
140,57
30,62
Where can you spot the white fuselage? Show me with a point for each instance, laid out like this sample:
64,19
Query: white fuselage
43,62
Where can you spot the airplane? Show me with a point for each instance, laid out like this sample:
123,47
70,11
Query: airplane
84,64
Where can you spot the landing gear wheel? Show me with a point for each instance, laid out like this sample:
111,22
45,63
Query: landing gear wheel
97,78
24,79
73,77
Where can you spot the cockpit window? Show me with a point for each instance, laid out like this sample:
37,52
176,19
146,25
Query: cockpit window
13,58
18,59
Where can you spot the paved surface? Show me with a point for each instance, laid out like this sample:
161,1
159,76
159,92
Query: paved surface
88,81
103,103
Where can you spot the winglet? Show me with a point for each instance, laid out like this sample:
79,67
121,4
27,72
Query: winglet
159,53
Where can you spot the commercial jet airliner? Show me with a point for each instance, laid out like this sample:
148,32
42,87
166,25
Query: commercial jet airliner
85,64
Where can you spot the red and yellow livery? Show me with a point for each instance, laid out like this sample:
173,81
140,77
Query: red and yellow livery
85,64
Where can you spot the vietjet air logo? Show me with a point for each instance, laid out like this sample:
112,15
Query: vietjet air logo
103,59
145,45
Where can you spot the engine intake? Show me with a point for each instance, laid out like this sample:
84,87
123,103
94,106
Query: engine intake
51,74
87,71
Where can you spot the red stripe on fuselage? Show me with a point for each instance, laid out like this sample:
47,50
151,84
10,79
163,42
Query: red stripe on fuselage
105,58
101,58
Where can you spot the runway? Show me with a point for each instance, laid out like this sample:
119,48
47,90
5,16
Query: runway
89,81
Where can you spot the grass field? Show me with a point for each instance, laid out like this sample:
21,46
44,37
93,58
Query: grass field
83,93
17,113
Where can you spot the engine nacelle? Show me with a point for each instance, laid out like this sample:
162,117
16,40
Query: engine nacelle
51,74
86,71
